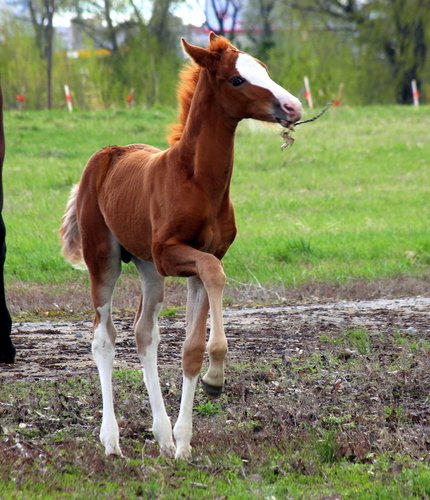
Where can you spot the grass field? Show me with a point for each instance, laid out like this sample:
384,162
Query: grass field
348,200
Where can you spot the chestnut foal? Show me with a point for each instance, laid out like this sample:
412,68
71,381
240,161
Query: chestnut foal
170,213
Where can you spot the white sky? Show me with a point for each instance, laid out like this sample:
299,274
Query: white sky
192,12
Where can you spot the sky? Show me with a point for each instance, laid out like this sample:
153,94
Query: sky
192,12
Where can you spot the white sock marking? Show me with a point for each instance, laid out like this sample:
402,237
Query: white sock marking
103,353
184,425
162,428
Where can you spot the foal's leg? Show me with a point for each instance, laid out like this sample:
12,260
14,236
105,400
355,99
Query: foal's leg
147,340
192,359
104,271
182,260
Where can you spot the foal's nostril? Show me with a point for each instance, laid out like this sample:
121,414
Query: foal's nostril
294,112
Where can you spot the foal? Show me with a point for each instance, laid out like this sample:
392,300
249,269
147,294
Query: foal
7,350
170,213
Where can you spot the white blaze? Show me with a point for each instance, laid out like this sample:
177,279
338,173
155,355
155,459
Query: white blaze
256,74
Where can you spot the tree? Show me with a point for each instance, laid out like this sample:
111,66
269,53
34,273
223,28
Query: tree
42,15
222,16
397,30
111,22
261,20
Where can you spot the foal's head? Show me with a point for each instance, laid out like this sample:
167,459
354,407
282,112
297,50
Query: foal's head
243,86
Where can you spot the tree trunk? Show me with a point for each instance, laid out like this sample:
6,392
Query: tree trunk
159,20
49,41
111,29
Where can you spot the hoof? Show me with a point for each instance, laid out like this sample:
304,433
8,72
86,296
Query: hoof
212,390
109,437
168,451
114,450
183,453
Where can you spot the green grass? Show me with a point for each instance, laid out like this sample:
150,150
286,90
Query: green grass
174,481
353,338
349,200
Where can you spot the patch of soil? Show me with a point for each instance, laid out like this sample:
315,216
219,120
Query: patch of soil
289,368
50,349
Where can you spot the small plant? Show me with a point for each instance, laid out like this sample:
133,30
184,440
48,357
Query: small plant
209,409
169,312
358,338
394,414
128,376
327,447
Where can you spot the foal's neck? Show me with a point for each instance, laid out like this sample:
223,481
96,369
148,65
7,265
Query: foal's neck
206,145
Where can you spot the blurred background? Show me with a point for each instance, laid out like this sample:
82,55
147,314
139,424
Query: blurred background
119,53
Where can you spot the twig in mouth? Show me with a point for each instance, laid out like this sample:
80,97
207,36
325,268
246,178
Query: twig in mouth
288,140
325,108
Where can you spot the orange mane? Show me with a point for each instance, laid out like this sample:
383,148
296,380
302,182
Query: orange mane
188,78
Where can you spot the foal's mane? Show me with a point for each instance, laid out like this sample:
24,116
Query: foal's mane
188,78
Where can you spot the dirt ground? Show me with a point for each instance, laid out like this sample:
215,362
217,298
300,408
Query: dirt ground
51,349
359,366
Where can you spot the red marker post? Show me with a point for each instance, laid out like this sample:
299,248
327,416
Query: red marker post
338,100
130,98
415,93
20,101
68,95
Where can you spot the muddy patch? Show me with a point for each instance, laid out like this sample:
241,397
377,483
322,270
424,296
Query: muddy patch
47,350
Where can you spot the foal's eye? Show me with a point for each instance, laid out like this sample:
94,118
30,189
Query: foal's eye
237,80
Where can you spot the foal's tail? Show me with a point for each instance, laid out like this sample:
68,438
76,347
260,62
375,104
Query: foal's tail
69,232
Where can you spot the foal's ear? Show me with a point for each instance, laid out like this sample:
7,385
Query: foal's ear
212,36
202,57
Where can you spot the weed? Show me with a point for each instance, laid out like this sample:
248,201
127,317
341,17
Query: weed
169,312
133,377
359,339
209,409
327,447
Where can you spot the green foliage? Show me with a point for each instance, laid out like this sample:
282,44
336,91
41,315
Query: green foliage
369,57
326,447
142,66
21,69
337,68
169,312
357,339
